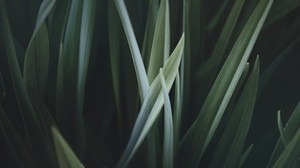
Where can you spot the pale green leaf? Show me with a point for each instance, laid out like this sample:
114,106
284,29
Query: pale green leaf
140,71
168,151
152,105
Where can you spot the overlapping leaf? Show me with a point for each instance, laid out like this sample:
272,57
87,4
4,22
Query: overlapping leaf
152,105
231,144
198,137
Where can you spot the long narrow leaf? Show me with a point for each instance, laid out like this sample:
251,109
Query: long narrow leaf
141,74
168,127
161,41
287,133
231,144
199,135
152,105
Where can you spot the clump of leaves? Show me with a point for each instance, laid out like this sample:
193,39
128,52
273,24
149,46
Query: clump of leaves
86,83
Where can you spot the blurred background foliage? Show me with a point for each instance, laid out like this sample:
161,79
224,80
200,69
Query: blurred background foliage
95,106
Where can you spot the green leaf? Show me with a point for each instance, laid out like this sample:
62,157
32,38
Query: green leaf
168,150
140,71
37,61
286,134
149,30
152,105
161,41
211,66
177,114
45,8
114,37
65,156
280,127
28,112
290,155
200,134
231,144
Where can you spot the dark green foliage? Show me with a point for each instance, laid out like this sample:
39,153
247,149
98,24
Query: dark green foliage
149,83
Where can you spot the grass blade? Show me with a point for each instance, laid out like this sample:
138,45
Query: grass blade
231,144
141,74
152,105
280,127
168,150
286,135
210,67
65,155
199,135
149,31
289,156
161,41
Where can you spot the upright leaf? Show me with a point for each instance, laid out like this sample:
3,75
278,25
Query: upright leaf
199,135
161,41
168,144
152,105
231,144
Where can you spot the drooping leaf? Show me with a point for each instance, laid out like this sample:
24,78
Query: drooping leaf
65,155
152,105
199,135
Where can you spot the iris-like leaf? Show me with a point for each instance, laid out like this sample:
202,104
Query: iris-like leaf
65,155
152,105
231,144
168,150
200,134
